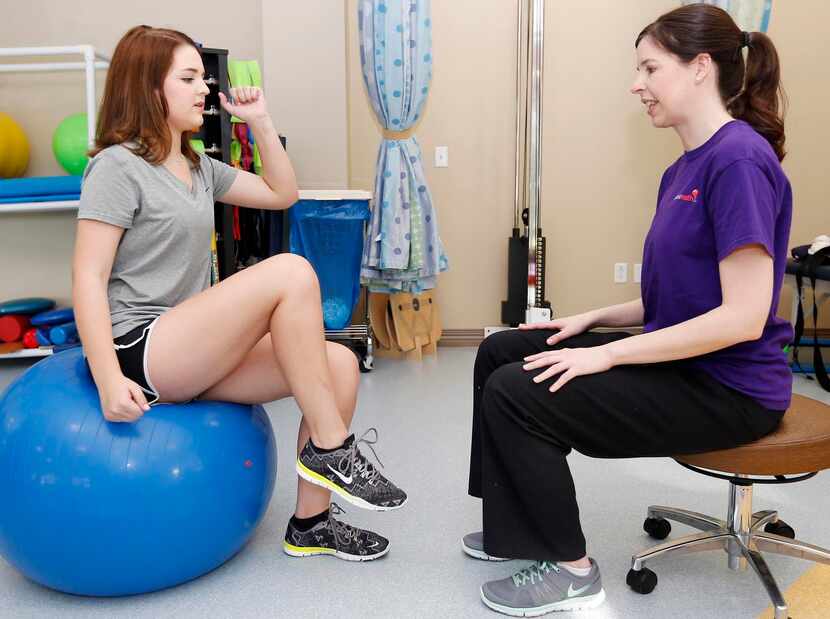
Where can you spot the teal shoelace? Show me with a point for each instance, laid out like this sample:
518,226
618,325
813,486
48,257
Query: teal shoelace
534,572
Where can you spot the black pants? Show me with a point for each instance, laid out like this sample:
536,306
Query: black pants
522,434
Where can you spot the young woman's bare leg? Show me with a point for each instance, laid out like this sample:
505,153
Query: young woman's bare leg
201,341
259,379
345,375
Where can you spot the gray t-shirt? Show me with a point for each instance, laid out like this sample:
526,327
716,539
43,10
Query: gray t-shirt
164,254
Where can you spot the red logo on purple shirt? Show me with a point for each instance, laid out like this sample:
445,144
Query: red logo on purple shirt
688,197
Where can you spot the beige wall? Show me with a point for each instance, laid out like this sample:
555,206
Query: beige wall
294,41
305,80
36,249
799,30
39,101
471,110
602,161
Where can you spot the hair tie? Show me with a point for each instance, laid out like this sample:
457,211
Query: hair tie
745,38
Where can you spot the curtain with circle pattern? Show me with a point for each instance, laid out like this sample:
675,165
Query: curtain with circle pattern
403,250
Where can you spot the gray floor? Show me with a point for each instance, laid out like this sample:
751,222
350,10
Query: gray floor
422,412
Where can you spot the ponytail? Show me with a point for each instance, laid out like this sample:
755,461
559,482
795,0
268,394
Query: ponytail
762,101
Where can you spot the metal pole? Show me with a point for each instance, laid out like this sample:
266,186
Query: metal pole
537,20
526,106
29,67
739,521
46,51
519,50
89,58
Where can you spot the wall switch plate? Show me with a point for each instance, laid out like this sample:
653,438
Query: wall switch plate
442,156
621,272
638,272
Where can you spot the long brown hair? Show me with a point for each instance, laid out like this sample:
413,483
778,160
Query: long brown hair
133,108
750,91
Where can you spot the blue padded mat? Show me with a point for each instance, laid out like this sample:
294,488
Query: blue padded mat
40,189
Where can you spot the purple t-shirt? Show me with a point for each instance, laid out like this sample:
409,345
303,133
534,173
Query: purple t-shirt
727,193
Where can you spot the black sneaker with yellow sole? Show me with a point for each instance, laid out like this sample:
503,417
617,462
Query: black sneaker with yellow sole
346,472
336,538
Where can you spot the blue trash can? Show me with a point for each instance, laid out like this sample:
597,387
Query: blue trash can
327,227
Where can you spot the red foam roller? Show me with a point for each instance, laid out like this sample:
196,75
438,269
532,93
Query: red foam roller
30,339
12,327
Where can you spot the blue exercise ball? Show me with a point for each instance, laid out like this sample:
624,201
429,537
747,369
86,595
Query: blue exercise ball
97,508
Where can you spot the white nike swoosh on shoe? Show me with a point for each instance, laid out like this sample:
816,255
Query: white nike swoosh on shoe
373,545
572,592
343,478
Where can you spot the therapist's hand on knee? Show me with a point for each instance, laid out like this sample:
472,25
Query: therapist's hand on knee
567,326
569,363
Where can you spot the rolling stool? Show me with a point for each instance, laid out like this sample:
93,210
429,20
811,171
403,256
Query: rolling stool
798,448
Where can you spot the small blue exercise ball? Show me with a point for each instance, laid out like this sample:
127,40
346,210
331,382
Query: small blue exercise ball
97,508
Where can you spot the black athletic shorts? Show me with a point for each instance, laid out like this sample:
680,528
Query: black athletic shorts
131,350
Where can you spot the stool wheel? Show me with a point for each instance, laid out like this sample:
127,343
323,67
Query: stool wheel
642,580
780,528
658,528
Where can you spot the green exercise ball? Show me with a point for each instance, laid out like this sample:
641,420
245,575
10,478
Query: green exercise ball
69,143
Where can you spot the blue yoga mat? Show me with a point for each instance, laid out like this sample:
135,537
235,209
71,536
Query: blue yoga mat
61,197
40,189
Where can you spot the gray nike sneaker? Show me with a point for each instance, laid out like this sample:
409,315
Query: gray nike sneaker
347,472
544,587
473,545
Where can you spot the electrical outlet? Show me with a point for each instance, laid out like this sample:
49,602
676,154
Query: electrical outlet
442,156
638,272
537,314
621,272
